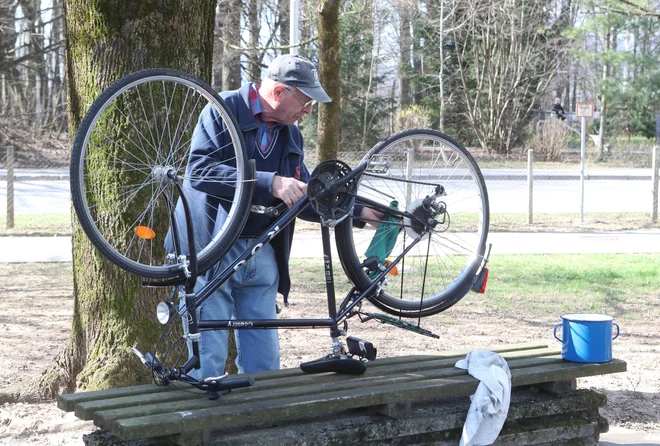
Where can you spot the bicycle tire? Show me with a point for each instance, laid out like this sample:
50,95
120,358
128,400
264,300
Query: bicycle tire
138,129
440,270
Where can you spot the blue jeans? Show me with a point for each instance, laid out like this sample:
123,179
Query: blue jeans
249,294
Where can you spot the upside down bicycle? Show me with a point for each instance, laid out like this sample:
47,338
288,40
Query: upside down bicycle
131,160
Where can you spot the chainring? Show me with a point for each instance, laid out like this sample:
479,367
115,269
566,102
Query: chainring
336,205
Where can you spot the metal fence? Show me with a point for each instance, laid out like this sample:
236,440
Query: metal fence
35,200
34,194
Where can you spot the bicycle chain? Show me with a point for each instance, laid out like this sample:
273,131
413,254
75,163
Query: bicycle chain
399,179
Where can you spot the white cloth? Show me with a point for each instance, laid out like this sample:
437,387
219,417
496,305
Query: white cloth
490,403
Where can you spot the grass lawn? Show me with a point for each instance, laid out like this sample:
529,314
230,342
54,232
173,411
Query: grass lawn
536,285
60,224
37,225
615,284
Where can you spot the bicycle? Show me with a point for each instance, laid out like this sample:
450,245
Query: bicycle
130,168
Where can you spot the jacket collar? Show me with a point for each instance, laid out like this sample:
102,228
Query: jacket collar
245,117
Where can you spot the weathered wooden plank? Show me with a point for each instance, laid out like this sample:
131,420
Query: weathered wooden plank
67,402
566,371
304,384
283,408
105,412
293,407
410,366
382,362
85,409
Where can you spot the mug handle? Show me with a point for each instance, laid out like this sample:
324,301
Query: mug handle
617,330
559,325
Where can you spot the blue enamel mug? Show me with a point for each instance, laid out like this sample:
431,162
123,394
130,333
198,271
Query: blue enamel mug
586,337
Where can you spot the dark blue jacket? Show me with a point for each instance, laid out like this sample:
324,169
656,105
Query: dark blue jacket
210,159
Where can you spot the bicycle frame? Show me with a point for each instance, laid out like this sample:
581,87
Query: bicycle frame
335,315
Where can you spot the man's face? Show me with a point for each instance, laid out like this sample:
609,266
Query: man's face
293,104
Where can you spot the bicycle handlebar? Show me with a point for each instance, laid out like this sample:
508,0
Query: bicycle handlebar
214,386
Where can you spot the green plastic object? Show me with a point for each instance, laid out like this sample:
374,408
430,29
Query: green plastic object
384,239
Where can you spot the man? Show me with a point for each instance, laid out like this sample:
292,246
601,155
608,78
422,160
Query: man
266,113
557,110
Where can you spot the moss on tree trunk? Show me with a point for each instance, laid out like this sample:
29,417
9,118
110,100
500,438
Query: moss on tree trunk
107,39
329,67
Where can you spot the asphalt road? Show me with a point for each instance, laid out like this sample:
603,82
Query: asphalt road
624,193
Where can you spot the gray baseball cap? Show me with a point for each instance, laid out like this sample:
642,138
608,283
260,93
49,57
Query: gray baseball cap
296,71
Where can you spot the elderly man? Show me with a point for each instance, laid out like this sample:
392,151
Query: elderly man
266,114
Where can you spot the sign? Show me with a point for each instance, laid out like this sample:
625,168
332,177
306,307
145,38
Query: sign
584,110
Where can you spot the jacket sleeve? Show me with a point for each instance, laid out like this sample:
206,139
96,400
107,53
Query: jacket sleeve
212,167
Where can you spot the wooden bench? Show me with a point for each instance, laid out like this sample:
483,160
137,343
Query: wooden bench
419,398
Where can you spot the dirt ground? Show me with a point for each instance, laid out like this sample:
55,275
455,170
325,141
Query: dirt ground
37,308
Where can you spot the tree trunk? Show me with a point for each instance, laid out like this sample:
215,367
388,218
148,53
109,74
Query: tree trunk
7,42
603,101
254,61
405,95
112,312
329,68
231,33
218,48
283,6
441,68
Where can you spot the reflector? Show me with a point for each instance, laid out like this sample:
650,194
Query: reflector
144,232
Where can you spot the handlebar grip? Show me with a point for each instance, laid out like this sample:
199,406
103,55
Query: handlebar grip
235,383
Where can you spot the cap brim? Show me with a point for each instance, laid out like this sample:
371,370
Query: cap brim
316,93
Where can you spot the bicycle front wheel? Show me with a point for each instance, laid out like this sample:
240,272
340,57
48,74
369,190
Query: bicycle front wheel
438,271
131,149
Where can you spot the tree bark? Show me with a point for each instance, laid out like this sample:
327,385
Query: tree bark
283,6
329,68
112,312
405,94
603,100
218,48
231,34
254,61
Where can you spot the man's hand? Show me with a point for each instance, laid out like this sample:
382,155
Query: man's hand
289,190
371,216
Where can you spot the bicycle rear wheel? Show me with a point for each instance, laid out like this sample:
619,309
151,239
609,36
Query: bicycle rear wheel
438,271
131,148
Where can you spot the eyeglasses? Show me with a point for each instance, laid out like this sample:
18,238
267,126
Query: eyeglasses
303,103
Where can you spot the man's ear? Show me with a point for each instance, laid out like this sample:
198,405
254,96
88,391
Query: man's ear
278,90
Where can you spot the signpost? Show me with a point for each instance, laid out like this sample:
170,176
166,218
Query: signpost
583,111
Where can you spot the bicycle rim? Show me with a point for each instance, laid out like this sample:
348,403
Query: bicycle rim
139,130
439,270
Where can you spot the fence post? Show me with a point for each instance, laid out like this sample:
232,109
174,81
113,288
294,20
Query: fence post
10,187
654,181
530,186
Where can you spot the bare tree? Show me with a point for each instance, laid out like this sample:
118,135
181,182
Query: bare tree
253,53
405,93
32,114
505,63
231,35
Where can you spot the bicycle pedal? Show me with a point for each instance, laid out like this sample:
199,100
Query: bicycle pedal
361,348
337,364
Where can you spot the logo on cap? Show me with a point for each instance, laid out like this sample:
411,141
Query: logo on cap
316,75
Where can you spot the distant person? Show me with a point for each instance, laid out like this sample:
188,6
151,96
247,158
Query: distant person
557,111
